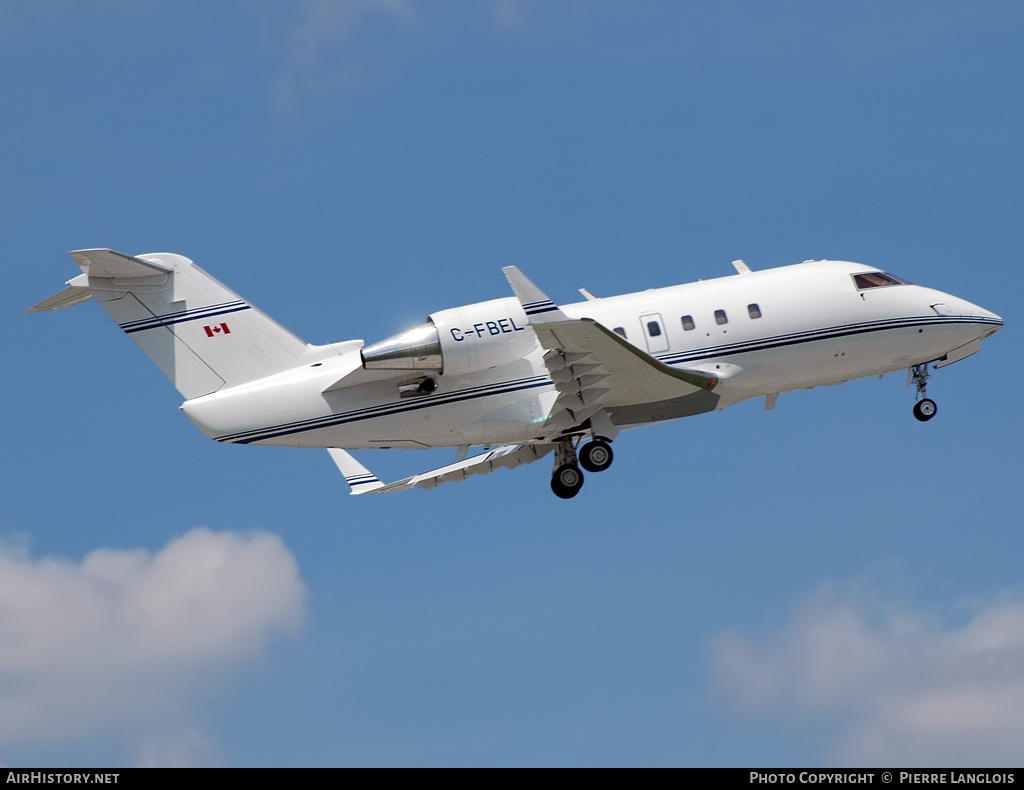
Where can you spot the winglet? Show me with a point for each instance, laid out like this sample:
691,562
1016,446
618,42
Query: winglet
360,479
539,309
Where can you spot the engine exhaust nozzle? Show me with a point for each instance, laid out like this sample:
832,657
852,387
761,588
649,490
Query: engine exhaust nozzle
418,348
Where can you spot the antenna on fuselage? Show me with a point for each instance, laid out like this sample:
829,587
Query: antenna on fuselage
741,267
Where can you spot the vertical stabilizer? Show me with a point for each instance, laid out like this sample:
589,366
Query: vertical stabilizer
202,335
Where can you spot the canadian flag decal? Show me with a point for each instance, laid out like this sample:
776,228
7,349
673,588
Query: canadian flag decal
219,329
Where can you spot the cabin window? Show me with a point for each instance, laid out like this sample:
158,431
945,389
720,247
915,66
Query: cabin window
688,322
620,331
720,317
876,280
754,311
653,328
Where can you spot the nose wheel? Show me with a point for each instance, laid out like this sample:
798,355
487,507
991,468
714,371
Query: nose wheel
924,408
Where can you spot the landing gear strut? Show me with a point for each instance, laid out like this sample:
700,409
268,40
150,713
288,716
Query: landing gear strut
925,407
567,479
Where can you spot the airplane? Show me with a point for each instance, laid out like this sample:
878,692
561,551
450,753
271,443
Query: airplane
521,376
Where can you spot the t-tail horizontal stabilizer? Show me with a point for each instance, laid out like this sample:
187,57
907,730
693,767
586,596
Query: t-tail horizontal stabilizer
69,297
363,481
99,265
202,335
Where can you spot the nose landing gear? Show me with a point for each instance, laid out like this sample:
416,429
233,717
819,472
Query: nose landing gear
925,407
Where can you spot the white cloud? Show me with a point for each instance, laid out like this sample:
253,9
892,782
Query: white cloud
183,746
896,686
126,641
320,48
329,46
512,15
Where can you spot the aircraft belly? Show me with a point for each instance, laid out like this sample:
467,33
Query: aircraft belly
868,354
501,407
511,422
486,421
835,360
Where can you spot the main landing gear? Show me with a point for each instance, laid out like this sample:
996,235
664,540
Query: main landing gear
596,456
567,479
925,407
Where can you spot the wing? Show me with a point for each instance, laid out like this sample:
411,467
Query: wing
592,367
363,481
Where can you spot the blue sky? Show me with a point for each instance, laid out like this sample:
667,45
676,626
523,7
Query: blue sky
830,583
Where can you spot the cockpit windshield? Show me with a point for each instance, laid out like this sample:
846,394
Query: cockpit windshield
876,280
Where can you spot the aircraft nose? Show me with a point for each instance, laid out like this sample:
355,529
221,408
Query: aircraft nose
992,323
975,320
955,306
988,315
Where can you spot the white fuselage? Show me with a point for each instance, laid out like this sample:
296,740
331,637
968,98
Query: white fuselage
760,333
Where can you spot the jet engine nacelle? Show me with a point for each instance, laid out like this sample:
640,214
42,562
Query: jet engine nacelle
483,335
460,340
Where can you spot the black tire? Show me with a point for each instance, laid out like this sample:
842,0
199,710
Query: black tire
596,456
567,481
925,409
